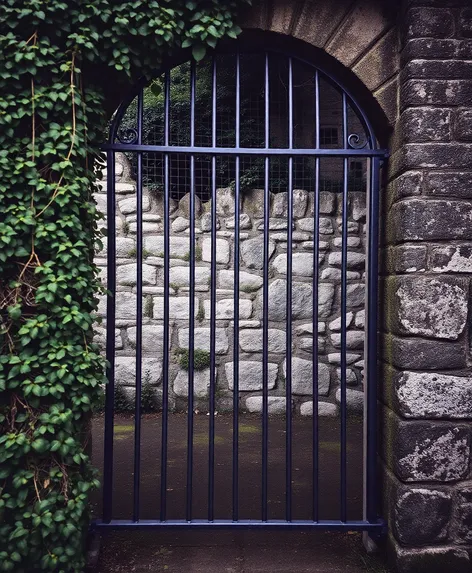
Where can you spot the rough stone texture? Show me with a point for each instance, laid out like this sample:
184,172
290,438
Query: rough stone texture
225,308
435,308
250,375
248,282
421,354
252,252
354,400
127,274
180,276
324,409
433,560
434,395
302,376
201,383
302,264
451,259
222,251
179,246
201,338
152,338
421,516
244,222
125,371
179,308
250,340
276,404
354,339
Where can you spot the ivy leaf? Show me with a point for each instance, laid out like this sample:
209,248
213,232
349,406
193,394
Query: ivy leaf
198,52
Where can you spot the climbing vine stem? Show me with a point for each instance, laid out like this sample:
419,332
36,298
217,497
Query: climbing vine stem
56,57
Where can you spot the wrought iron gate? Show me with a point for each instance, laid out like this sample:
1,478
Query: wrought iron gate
204,158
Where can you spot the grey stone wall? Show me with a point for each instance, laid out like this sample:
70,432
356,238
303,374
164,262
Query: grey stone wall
427,378
250,308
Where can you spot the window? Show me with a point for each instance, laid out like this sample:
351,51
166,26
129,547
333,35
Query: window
328,136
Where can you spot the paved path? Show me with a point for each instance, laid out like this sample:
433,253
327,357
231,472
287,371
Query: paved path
240,552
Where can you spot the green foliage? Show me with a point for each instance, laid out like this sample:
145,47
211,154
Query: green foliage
201,358
53,55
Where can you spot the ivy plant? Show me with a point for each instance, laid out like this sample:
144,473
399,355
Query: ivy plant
53,57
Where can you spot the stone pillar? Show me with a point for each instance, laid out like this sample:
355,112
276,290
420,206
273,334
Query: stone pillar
427,380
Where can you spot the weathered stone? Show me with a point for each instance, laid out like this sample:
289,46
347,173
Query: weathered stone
325,409
428,451
276,404
353,260
300,202
435,308
125,370
280,205
130,205
426,124
222,251
355,295
248,323
179,308
253,202
408,258
327,203
406,185
179,246
302,264
432,560
354,339
201,338
127,274
354,400
125,247
308,328
147,227
306,343
325,225
274,225
450,184
180,224
302,376
201,383
357,205
351,378
310,245
247,281
302,303
100,338
360,319
250,340
205,222
335,358
225,308
335,324
351,242
419,354
180,276
430,23
421,516
423,220
250,375
244,222
152,338
252,252
225,202
463,125
296,236
184,206
434,395
336,274
455,259
125,306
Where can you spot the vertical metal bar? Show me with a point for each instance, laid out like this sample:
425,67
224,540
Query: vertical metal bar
370,411
316,249
288,405
139,315
265,304
191,341
235,513
110,344
211,443
165,363
343,319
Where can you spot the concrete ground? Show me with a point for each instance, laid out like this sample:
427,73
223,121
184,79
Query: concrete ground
232,551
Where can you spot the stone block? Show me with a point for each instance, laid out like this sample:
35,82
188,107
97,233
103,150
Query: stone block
406,185
451,259
274,225
430,23
250,340
308,224
423,220
225,202
300,202
225,308
325,409
222,251
331,274
335,358
252,252
428,451
201,383
426,124
465,23
435,92
130,205
350,241
421,354
179,246
152,338
308,328
450,184
127,274
306,343
432,560
296,236
253,202
180,224
125,371
436,308
205,222
100,338
180,276
147,226
276,404
184,206
280,205
247,281
434,395
421,516
244,222
351,378
302,376
179,308
462,524
355,295
354,339
335,324
202,339
125,306
360,319
302,264
250,375
407,258
354,400
381,62
302,300
353,260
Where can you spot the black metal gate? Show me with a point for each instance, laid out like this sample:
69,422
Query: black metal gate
281,154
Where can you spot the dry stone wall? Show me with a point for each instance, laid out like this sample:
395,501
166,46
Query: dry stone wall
250,305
